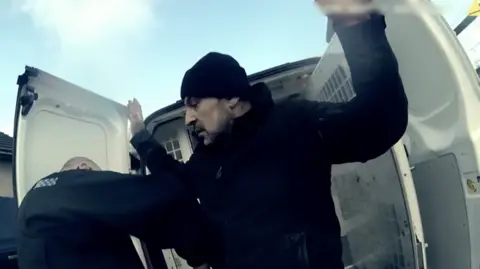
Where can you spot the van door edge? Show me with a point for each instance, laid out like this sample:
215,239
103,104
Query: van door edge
22,82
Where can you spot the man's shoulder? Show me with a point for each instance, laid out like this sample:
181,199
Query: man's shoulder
295,106
52,179
290,111
48,180
65,177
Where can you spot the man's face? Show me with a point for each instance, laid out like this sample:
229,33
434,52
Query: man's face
208,116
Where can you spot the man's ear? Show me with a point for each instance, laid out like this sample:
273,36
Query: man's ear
83,166
233,102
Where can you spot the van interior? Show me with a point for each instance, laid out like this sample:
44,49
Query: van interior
414,207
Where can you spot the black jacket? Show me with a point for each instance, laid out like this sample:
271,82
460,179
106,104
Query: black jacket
83,219
266,186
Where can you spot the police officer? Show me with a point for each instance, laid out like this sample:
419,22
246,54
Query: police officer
81,217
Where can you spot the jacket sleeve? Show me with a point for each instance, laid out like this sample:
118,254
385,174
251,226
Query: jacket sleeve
153,208
154,155
188,234
372,122
193,239
132,204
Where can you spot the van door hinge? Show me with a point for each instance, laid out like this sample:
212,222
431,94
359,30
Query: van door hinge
27,98
420,246
26,94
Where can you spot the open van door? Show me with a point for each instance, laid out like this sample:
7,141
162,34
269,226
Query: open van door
377,201
55,121
378,212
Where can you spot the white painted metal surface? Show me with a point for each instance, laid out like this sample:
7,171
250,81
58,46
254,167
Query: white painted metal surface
443,92
68,121
381,207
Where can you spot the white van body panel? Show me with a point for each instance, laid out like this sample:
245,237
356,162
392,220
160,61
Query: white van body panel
439,205
67,121
442,138
378,213
64,122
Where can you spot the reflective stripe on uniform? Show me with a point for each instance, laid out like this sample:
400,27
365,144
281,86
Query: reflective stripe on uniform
46,182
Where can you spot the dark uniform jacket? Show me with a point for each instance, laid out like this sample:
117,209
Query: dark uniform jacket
265,186
83,219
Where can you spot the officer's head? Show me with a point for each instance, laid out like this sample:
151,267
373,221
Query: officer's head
215,91
80,163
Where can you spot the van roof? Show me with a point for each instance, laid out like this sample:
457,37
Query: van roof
252,78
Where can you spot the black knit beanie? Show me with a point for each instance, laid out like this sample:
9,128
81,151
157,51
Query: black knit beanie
216,75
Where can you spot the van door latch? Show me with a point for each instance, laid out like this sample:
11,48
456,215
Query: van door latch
27,98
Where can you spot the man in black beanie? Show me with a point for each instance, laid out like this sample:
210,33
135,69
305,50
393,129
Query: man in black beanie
260,185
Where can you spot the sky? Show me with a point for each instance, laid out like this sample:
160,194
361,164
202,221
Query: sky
141,48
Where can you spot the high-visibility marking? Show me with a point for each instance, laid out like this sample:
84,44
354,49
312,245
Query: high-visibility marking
474,9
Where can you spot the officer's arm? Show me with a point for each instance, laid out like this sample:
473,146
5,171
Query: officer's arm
154,155
188,232
133,204
376,118
148,207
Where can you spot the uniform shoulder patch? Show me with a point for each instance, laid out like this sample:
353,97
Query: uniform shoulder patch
46,182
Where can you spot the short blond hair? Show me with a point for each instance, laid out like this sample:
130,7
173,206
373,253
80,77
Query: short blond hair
80,163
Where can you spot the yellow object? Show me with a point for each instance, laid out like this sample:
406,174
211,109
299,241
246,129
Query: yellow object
474,9
472,186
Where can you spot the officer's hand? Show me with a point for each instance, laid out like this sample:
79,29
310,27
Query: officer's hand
347,11
135,116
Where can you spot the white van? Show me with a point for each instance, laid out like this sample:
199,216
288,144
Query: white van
423,192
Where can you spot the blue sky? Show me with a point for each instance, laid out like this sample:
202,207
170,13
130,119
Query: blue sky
141,48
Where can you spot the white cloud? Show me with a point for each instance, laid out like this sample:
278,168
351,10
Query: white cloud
97,44
82,27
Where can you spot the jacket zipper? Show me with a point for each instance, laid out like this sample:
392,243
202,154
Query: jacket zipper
219,173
